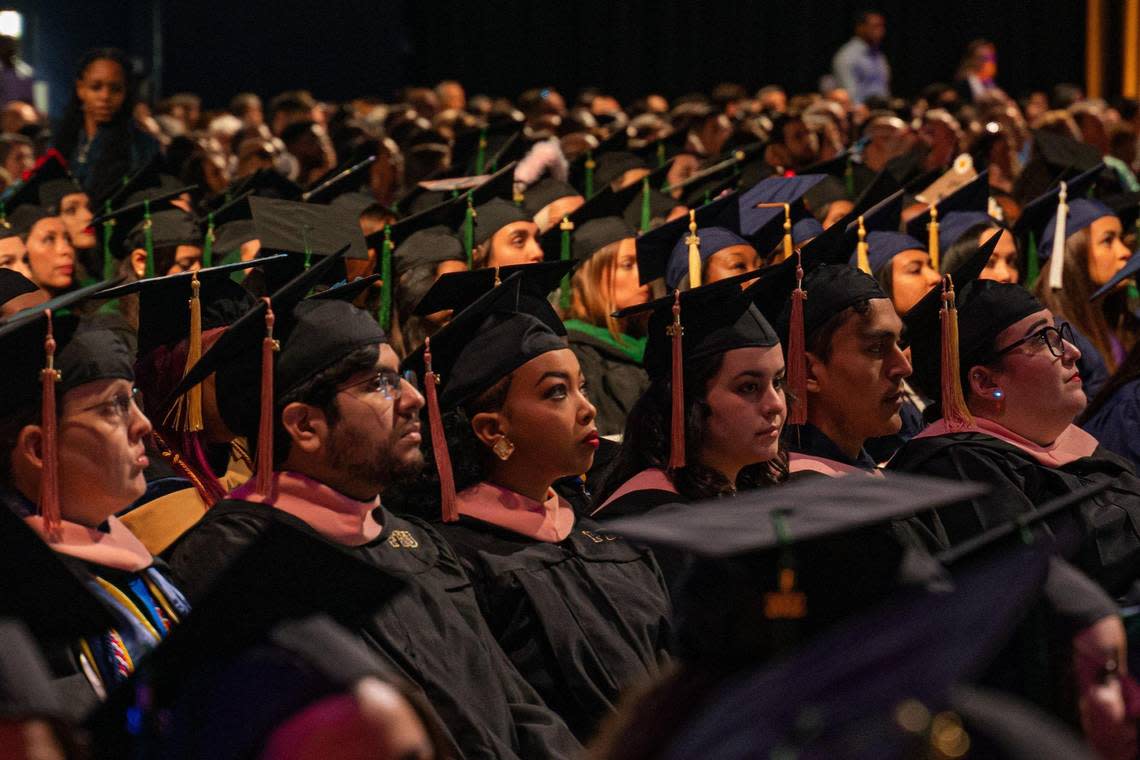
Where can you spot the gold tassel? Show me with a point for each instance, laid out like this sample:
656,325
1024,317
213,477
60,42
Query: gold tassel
186,414
263,474
694,244
49,480
861,255
954,410
932,237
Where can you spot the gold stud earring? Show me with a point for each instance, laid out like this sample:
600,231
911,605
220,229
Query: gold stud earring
503,448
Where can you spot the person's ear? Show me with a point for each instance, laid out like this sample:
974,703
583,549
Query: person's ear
28,453
983,384
814,371
488,427
306,425
138,262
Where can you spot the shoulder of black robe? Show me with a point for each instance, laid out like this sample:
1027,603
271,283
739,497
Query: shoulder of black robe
582,619
1101,536
433,633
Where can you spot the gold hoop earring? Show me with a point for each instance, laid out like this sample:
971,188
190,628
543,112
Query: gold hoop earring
503,448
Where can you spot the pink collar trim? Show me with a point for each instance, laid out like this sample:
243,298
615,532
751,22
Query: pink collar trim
807,463
117,548
335,516
550,521
653,479
1071,445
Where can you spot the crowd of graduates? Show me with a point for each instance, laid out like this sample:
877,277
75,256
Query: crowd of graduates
469,427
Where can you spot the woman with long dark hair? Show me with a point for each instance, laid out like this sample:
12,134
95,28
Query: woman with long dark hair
731,390
97,134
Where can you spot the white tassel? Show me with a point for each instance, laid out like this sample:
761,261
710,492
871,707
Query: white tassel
1057,259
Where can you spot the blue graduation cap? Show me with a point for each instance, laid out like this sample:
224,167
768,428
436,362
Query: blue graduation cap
884,246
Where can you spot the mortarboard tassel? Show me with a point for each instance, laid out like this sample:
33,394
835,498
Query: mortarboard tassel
263,483
108,257
448,507
566,227
694,244
148,240
932,237
788,247
954,410
517,194
49,480
481,154
1032,261
1057,262
308,247
186,413
645,212
797,361
208,242
862,256
590,165
677,421
469,231
660,153
849,179
386,279
787,602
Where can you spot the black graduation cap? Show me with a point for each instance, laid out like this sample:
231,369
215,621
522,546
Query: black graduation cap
492,216
583,169
149,182
264,183
226,228
850,170
318,577
655,248
221,301
347,291
1035,214
305,231
613,164
972,196
21,219
496,334
344,179
427,246
883,684
1054,158
13,285
26,689
660,150
458,290
46,185
975,328
47,593
544,192
149,223
650,204
474,148
608,206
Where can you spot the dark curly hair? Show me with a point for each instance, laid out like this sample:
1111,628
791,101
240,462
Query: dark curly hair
646,441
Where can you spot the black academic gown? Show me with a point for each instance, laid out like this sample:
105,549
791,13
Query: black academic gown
1101,536
582,619
433,633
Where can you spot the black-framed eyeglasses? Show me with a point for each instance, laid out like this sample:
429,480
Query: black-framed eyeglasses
1054,339
119,405
387,382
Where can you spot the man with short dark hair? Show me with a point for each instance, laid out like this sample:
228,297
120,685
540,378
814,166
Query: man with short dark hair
346,427
860,66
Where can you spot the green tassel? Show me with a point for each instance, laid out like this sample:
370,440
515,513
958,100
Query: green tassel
590,164
469,231
386,279
108,259
645,213
1032,265
4,217
849,179
660,153
566,227
708,198
148,240
1133,292
481,156
208,243
308,247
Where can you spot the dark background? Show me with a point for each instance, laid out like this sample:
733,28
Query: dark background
630,47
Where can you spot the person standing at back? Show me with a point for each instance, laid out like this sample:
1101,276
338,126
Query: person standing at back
860,66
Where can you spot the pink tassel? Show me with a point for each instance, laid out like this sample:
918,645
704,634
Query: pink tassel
677,424
49,480
797,346
439,441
